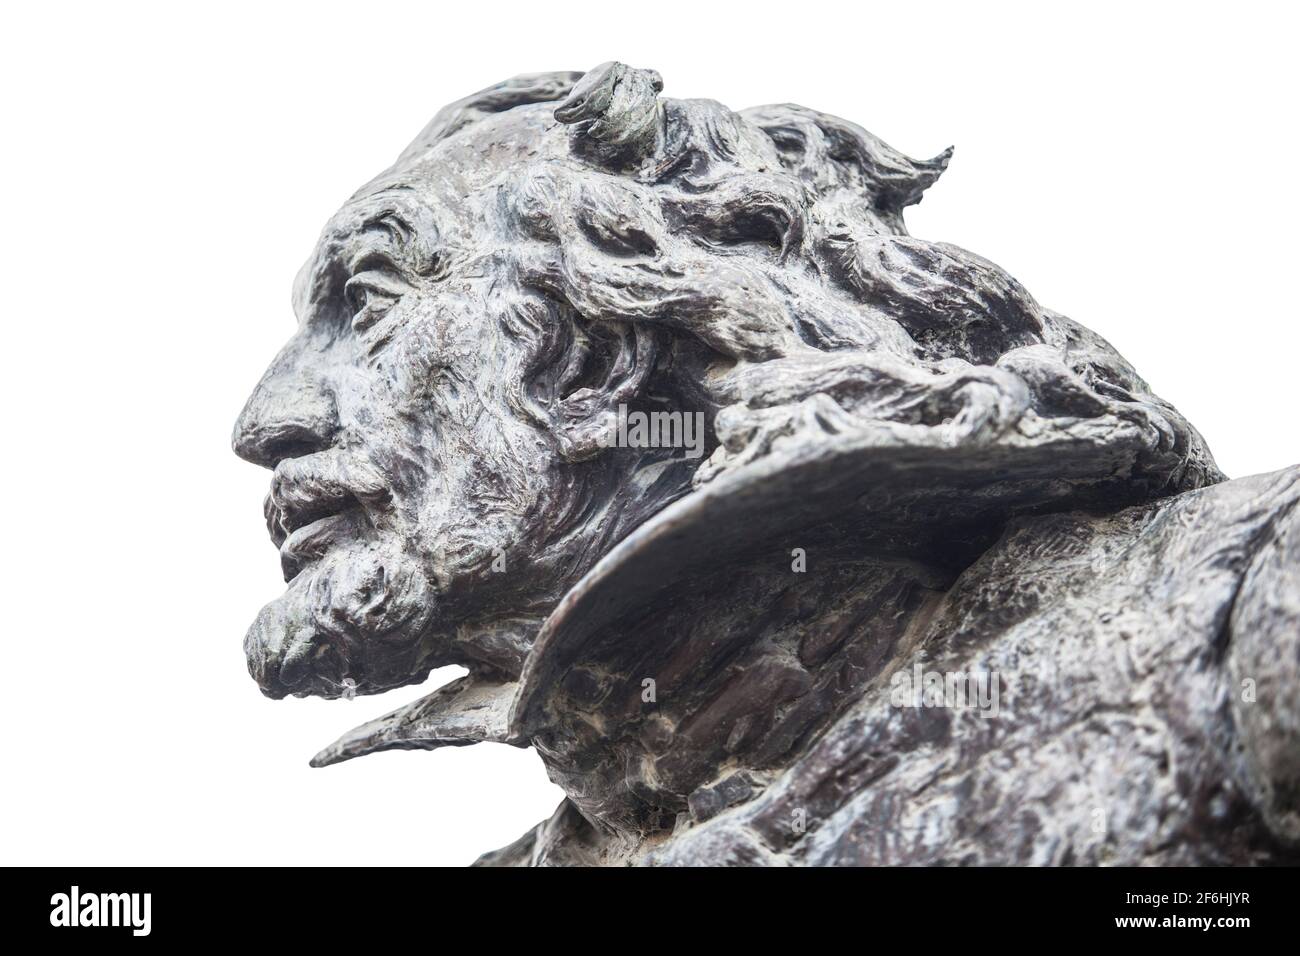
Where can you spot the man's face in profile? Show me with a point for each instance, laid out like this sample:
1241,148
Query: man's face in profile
400,472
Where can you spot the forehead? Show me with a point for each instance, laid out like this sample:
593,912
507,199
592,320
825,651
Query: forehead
432,204
442,185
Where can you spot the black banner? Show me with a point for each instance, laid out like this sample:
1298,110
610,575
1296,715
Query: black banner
931,906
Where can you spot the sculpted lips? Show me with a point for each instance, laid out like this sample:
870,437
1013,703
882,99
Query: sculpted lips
312,540
310,507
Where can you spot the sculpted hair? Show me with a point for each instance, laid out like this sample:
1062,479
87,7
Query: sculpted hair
757,264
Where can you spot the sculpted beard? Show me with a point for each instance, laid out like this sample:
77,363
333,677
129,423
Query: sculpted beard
326,630
354,587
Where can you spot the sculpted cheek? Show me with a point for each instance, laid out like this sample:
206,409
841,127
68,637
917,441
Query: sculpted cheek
424,346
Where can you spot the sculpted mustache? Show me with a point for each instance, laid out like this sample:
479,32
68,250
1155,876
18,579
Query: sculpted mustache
315,486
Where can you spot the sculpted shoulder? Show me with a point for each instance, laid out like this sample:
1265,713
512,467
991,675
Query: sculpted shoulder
1126,649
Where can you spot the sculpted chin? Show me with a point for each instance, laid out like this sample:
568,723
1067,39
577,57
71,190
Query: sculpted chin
970,480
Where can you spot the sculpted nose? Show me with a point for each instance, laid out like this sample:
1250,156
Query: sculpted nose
291,413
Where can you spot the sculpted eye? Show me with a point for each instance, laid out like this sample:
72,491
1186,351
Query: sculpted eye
370,295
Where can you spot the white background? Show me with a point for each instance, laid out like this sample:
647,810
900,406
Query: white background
164,173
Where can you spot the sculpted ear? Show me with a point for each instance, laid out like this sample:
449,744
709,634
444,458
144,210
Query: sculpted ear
608,366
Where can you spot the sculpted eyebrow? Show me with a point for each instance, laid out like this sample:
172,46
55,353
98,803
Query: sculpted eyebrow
369,248
378,248
391,241
372,254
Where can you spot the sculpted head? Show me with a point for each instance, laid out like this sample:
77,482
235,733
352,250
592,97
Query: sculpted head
563,245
